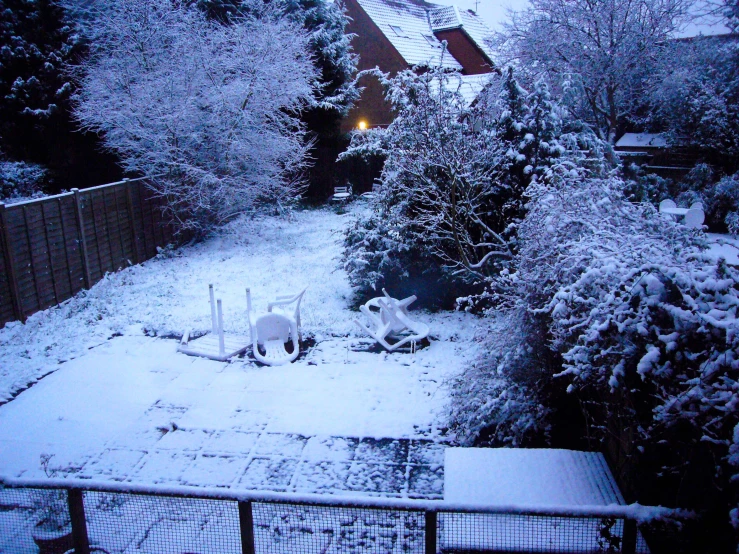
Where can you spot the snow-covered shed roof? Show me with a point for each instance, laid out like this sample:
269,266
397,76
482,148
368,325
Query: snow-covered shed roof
409,25
471,86
642,140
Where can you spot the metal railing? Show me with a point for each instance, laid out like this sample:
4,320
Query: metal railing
121,517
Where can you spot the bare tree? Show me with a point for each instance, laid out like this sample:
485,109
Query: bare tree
599,53
212,107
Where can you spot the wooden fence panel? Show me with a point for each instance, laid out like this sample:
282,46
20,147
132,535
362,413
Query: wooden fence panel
52,248
71,245
7,298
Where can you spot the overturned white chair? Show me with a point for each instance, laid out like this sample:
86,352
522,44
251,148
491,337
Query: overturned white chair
270,332
389,319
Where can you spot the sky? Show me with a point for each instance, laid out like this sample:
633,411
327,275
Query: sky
495,12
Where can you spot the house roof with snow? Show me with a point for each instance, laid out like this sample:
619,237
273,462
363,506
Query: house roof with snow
411,27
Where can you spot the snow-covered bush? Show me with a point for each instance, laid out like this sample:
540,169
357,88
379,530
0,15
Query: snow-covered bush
640,186
496,400
19,181
454,177
640,327
723,202
211,108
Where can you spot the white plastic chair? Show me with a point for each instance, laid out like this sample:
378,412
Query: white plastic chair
667,204
369,195
282,303
391,320
272,332
341,194
694,218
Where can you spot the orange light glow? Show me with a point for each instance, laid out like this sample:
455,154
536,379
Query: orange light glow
362,125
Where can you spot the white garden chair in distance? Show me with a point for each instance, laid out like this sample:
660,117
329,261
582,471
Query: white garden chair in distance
341,194
217,345
389,318
371,194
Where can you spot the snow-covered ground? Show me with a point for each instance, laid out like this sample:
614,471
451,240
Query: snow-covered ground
113,399
725,246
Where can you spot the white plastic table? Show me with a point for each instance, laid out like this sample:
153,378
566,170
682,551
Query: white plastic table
674,211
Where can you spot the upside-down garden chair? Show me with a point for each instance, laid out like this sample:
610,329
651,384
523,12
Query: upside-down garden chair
216,345
389,319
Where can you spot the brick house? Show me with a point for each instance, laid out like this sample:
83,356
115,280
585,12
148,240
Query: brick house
399,34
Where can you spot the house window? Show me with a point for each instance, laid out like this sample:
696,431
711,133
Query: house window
398,31
432,41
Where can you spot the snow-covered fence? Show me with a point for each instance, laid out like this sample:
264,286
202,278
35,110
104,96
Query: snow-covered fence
122,517
53,247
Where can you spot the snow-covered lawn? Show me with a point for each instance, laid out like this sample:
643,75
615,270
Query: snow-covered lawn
118,402
725,246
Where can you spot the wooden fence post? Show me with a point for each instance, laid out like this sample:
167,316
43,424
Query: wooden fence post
83,239
629,540
10,266
430,532
79,524
246,523
129,200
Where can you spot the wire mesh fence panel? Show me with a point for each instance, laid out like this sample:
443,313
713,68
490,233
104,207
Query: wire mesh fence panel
474,532
132,523
38,520
287,529
34,516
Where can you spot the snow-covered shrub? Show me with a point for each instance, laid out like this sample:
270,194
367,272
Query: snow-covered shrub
454,177
375,255
495,401
640,186
640,324
20,180
723,202
211,108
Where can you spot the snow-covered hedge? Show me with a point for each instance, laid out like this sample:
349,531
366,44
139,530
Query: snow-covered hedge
619,306
20,181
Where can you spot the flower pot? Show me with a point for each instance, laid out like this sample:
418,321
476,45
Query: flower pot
53,539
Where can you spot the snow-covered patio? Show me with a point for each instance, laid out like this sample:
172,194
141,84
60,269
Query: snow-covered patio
118,402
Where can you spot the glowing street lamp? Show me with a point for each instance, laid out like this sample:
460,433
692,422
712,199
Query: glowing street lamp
362,125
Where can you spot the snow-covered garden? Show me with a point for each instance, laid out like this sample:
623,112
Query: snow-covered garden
566,311
107,396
